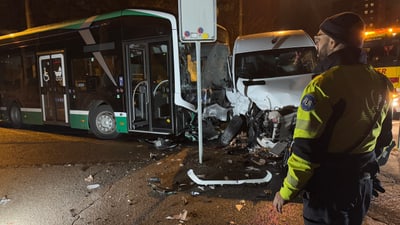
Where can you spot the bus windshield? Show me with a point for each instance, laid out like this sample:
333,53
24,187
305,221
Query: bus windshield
275,63
383,52
214,69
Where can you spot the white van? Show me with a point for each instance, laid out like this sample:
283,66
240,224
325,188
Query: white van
269,72
271,69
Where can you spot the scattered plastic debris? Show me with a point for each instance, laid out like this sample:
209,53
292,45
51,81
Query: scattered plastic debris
154,180
241,204
273,163
195,193
92,186
252,168
184,200
279,148
162,143
199,181
89,178
182,216
201,176
153,155
4,200
162,190
260,162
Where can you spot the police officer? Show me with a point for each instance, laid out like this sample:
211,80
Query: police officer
342,112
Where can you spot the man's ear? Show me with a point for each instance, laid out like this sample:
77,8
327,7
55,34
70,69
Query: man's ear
335,45
332,43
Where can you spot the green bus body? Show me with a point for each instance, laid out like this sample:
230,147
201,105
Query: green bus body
115,73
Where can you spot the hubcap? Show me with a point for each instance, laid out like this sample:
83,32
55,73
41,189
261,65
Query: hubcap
105,122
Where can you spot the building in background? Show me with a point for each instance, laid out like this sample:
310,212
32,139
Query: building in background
376,13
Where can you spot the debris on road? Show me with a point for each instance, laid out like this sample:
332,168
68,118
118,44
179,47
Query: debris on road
89,179
184,200
154,180
182,216
241,204
4,200
162,144
92,186
195,193
162,190
252,168
260,162
199,181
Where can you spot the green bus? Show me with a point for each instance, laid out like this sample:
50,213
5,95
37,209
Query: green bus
120,72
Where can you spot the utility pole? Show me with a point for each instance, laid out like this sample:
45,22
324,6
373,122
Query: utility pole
28,14
240,17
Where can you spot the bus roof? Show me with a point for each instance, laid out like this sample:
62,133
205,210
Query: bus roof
381,33
77,24
273,40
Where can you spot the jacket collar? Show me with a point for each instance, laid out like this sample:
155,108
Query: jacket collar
345,56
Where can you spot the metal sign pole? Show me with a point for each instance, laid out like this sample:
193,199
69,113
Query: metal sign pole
198,23
199,102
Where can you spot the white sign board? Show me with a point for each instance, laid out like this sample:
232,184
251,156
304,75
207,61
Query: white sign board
198,20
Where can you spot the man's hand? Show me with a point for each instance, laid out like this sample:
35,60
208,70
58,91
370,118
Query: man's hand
278,202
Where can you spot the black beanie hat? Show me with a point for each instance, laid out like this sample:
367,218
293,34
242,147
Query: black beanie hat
347,28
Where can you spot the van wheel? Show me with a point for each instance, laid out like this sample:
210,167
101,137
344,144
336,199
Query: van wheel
15,116
233,128
102,122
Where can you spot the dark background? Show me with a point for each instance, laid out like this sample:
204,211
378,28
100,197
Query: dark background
238,16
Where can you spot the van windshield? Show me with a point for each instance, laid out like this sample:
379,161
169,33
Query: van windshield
275,63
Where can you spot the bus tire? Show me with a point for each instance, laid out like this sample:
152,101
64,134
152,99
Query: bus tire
233,128
102,122
15,116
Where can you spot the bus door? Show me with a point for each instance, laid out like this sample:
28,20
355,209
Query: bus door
53,88
149,72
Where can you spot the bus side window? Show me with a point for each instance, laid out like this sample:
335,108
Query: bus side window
31,81
13,72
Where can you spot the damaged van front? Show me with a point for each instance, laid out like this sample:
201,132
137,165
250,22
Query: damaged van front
268,72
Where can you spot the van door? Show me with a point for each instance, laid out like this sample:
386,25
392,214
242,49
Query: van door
53,88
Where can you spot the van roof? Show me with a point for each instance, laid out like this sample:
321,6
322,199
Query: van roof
272,40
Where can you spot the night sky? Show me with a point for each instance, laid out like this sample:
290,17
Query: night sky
257,15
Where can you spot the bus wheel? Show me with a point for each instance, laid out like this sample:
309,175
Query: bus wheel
102,122
15,116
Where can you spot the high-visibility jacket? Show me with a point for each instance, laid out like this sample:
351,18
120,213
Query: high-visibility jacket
341,112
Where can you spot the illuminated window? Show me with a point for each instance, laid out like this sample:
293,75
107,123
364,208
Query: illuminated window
372,4
371,11
366,12
366,5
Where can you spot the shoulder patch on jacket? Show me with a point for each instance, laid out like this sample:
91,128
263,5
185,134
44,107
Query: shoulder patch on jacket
308,102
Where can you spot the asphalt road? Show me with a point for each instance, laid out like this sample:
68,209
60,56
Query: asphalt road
49,179
71,178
